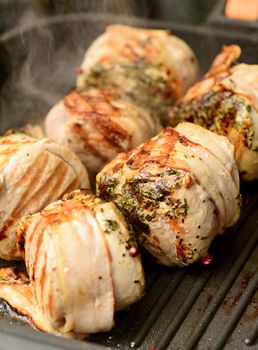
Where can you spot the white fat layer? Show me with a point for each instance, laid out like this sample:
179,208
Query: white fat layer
215,178
127,271
179,56
217,144
55,122
243,80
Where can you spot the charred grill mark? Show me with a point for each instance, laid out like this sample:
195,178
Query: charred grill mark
52,185
83,135
30,177
32,234
90,102
112,135
196,179
166,141
112,132
13,252
130,53
173,136
156,239
76,104
94,107
5,228
50,304
71,186
43,275
20,239
38,243
146,153
32,181
127,50
118,166
141,156
181,250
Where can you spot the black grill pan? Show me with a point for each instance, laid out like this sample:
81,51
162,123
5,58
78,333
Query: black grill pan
199,307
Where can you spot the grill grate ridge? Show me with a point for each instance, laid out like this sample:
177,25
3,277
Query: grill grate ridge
238,311
159,306
184,310
165,338
150,308
223,290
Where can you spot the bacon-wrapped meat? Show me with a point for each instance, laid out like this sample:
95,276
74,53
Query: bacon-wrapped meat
83,263
98,126
149,67
33,173
177,193
226,101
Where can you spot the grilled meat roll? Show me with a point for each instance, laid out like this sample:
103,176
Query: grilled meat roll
83,263
98,126
149,67
33,173
225,101
177,194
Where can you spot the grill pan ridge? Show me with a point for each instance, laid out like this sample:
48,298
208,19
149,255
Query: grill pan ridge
199,307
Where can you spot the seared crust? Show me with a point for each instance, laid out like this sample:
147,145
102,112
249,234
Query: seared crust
176,193
97,109
98,126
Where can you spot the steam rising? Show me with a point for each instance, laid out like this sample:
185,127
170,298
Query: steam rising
42,53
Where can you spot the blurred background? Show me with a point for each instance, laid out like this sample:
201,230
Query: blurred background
230,15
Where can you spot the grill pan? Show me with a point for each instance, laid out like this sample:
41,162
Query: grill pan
199,307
